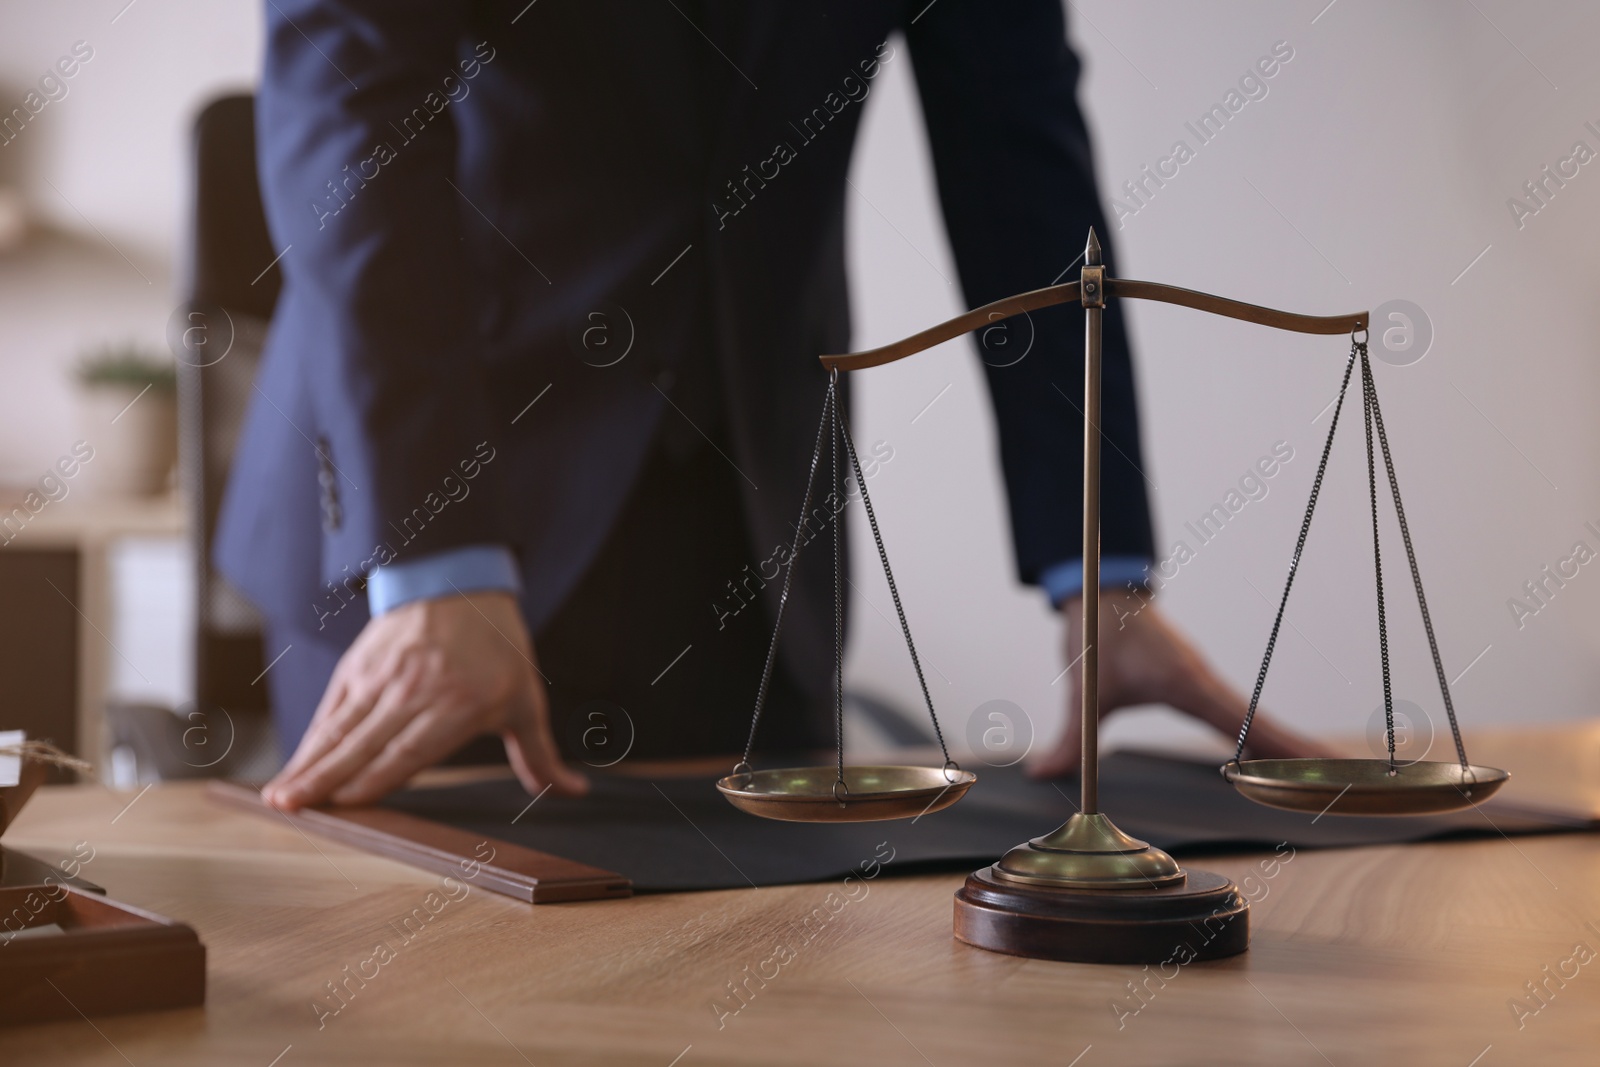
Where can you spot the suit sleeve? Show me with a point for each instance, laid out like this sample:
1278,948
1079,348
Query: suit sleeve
1016,182
357,150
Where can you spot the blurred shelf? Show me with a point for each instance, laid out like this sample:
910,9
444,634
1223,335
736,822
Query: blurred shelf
72,522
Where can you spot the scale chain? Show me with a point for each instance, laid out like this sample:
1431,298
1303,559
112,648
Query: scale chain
836,430
1373,420
1368,391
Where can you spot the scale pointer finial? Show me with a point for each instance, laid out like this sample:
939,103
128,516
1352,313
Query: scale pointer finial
1091,250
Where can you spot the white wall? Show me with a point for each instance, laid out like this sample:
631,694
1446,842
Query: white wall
1376,168
116,145
107,164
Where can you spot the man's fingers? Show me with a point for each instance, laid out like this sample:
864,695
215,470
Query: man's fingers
537,767
342,710
532,750
1211,700
329,709
343,705
434,733
348,756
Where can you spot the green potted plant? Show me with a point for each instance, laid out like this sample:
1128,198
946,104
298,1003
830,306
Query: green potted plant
129,413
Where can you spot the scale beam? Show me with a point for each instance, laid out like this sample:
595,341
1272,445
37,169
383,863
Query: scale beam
1071,293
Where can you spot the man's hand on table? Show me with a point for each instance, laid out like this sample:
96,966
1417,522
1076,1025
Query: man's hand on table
1145,660
419,681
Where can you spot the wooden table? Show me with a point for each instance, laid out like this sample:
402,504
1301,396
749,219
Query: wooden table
1369,956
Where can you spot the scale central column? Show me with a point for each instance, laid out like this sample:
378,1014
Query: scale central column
1087,891
1094,311
1088,851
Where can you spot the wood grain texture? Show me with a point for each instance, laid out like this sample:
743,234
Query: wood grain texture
501,866
1358,957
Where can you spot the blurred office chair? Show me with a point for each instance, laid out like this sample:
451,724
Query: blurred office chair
217,338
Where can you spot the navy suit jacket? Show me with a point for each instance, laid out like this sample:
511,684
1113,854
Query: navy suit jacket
468,192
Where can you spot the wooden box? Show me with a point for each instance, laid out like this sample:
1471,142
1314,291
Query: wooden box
66,952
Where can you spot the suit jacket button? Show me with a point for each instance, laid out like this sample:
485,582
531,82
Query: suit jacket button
665,380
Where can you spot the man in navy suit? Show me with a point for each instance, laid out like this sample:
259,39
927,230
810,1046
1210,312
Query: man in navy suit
543,373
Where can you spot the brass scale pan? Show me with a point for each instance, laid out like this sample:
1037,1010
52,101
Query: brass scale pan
869,794
1327,786
1364,786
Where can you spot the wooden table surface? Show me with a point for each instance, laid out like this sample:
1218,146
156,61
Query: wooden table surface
1366,956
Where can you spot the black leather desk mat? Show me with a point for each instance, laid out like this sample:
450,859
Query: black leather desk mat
678,834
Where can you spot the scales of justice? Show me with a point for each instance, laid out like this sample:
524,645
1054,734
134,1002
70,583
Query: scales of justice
1086,891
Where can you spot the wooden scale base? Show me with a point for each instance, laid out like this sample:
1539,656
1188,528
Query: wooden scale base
1201,918
1089,893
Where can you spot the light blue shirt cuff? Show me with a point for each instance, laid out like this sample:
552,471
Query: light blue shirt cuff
1064,580
475,568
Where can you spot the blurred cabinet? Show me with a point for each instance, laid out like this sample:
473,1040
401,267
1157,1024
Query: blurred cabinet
39,643
56,643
